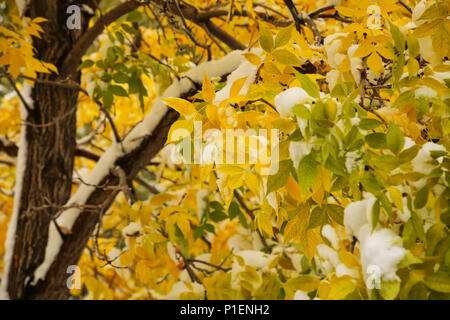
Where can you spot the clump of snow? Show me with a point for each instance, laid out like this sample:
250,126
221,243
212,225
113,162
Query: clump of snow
353,160
301,295
297,150
180,287
333,77
246,69
342,270
256,259
383,249
285,100
421,163
332,45
329,233
326,253
425,43
132,229
355,63
20,171
358,214
425,92
172,156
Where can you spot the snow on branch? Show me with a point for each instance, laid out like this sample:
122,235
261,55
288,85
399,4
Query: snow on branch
108,161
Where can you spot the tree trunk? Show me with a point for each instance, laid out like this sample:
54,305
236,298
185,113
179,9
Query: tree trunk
50,135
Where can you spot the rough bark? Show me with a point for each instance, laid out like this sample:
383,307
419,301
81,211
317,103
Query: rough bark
50,135
51,147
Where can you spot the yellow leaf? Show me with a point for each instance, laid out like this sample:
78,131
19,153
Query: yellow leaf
396,197
340,288
180,129
252,58
286,57
252,182
364,49
230,169
385,52
161,198
208,90
237,86
375,63
348,259
264,223
294,189
182,106
143,271
344,11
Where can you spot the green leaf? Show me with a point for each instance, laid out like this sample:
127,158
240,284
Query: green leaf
301,111
234,210
283,36
278,180
286,57
394,138
336,213
376,140
438,281
408,154
308,85
134,16
318,218
375,214
369,124
86,64
120,77
265,38
397,35
117,91
389,289
129,29
404,98
307,172
371,185
413,45
387,205
421,198
418,225
107,98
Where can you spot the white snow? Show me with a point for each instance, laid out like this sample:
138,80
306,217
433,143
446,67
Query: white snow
358,214
132,229
383,249
297,150
421,162
21,5
256,259
20,170
180,287
301,295
215,68
355,63
353,160
342,270
246,69
285,100
329,233
425,92
426,44
332,46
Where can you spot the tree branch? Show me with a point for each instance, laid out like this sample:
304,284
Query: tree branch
73,59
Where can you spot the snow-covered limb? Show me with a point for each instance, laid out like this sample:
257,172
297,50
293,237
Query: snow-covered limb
137,135
20,170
